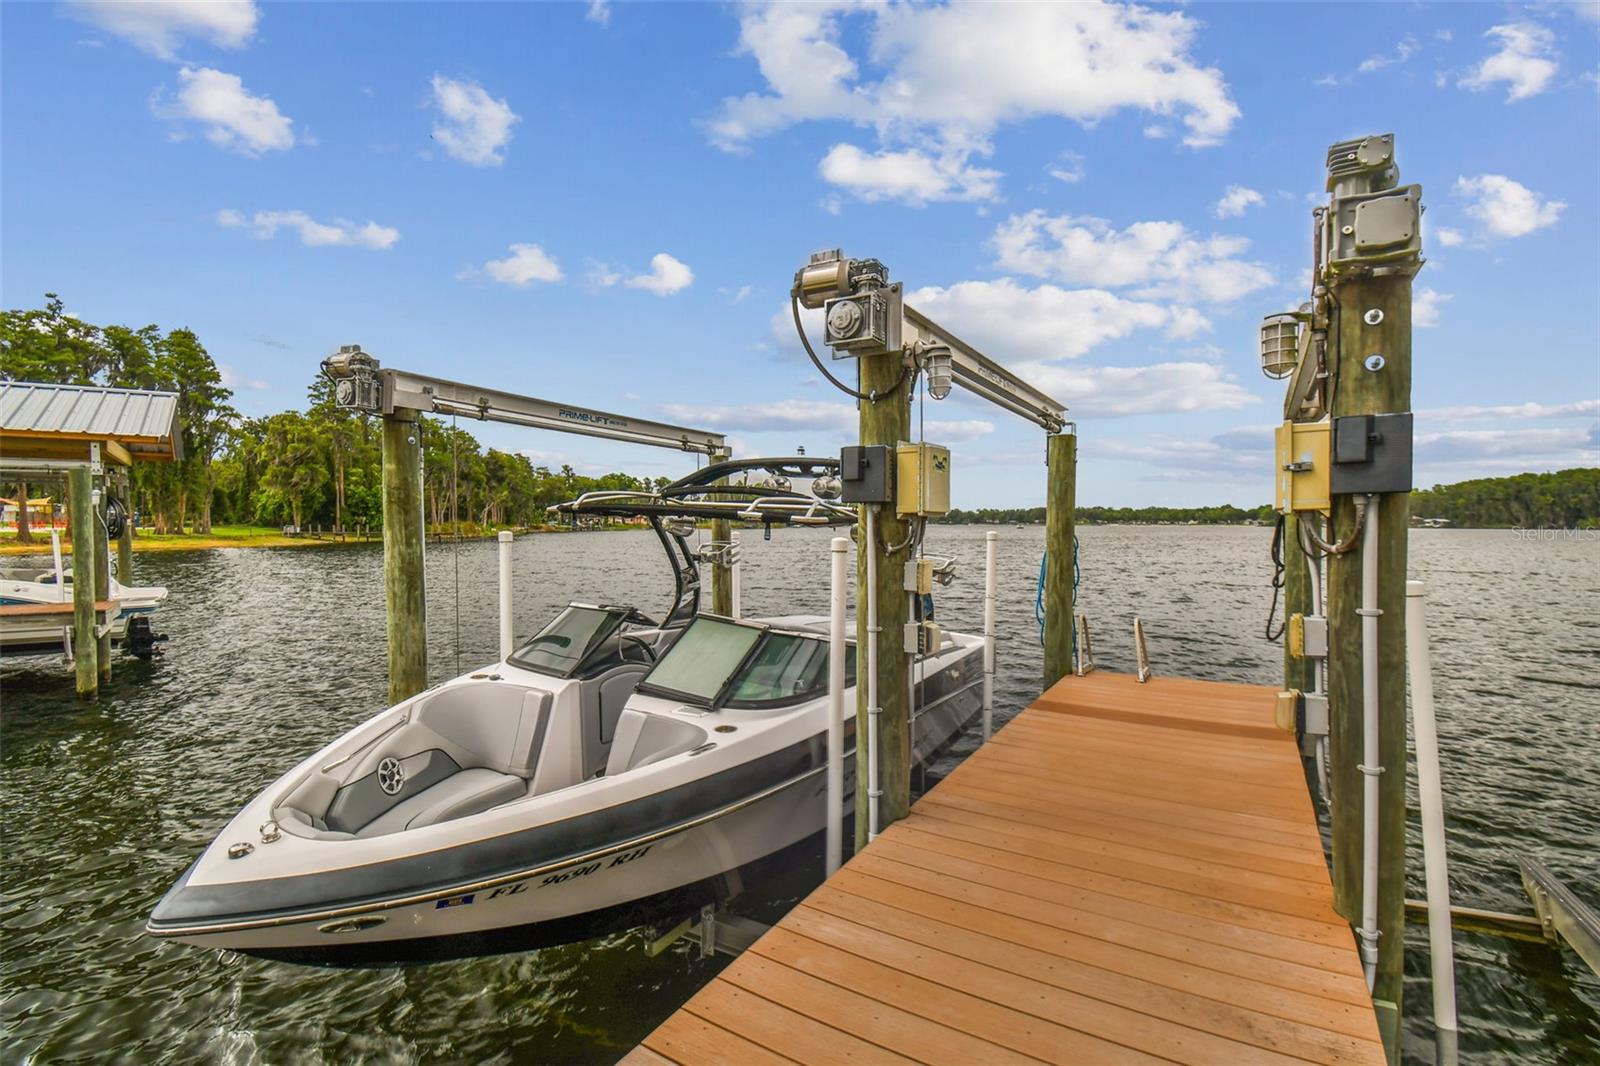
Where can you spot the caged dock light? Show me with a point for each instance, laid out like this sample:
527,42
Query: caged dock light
1280,344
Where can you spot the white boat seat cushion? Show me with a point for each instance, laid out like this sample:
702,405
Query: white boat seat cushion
468,792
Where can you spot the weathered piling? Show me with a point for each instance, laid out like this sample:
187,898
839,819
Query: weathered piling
721,572
125,538
85,648
885,420
1298,670
102,574
404,584
1060,525
1365,385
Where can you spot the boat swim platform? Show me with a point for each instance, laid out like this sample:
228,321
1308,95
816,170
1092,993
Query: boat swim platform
1124,873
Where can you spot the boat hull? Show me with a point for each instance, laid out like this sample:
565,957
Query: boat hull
626,883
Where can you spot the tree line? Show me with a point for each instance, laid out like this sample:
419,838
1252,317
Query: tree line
1223,515
318,466
1566,499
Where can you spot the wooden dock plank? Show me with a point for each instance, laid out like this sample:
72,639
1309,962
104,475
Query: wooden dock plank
1125,873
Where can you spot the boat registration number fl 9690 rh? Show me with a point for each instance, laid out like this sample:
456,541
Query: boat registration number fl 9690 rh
550,879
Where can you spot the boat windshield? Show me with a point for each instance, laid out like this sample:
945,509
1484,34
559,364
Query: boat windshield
563,646
723,662
698,666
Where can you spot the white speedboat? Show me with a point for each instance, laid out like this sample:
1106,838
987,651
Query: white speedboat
608,772
22,587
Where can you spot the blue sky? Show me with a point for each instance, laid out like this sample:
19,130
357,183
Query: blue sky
604,204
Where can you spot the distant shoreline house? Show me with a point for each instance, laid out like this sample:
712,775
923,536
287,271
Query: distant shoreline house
41,513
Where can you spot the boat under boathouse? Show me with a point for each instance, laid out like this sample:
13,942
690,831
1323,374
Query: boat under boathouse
86,437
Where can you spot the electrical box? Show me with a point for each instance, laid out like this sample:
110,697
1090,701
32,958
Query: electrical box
1307,636
1316,711
1371,453
864,474
1302,467
866,322
922,638
919,576
922,479
1379,227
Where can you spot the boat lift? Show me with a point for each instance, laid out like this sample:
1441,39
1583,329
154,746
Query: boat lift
401,397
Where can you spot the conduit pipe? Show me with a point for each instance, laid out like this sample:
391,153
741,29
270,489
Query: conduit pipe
506,639
874,712
1370,753
1431,793
990,551
55,552
838,592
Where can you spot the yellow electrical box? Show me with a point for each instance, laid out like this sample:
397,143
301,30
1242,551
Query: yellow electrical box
1294,636
1302,464
922,479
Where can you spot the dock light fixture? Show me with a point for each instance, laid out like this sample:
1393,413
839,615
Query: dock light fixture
941,375
1280,345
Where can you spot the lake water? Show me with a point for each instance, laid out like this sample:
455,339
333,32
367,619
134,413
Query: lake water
275,652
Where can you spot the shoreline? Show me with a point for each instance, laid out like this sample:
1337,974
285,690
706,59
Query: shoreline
169,542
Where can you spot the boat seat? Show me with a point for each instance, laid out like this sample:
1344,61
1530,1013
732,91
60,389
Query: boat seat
642,739
460,794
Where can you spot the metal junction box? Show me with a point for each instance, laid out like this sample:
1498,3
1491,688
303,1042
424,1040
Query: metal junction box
864,474
1371,453
922,479
1374,228
864,323
1302,464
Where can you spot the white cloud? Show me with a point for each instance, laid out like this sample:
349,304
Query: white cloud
1236,200
1531,409
912,176
1115,391
1507,208
944,78
231,379
599,11
1450,238
1425,308
667,276
313,234
819,416
1068,167
771,416
233,119
1522,445
159,26
1402,52
1525,61
1244,454
1013,323
526,264
1163,259
473,126
738,295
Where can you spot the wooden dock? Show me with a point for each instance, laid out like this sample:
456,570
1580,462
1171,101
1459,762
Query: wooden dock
1124,873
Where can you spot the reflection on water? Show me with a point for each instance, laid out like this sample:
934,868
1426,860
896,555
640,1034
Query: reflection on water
275,652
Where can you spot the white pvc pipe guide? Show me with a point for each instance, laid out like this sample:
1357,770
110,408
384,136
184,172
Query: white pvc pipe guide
838,593
1370,753
874,712
1431,794
506,638
990,552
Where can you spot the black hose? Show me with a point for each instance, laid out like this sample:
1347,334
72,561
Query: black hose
1277,580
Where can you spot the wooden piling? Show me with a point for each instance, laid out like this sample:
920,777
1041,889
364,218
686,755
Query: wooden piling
721,572
886,420
85,648
1358,390
125,540
405,587
102,574
1060,526
1297,671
